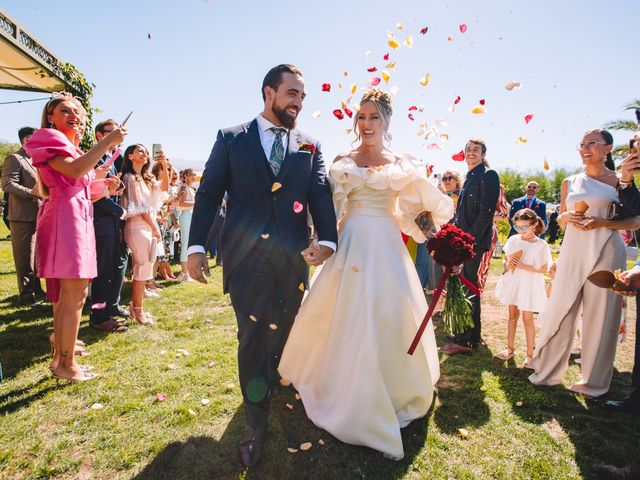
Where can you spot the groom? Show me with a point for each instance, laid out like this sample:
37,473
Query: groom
274,176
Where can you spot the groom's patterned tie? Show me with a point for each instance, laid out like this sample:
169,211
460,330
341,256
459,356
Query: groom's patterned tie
277,150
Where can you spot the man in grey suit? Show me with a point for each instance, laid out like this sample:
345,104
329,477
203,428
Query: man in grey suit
19,181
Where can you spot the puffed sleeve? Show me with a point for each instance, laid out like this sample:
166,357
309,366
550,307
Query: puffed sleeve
416,195
508,246
135,203
47,143
344,176
157,196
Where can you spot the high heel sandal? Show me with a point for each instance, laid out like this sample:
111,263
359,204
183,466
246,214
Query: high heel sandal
85,376
137,314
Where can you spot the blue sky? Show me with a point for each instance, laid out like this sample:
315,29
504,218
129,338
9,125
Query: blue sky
203,67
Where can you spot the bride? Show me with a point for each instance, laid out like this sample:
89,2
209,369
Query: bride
346,353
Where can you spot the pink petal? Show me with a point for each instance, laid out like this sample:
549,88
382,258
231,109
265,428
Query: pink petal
463,27
528,117
457,100
297,207
161,397
374,82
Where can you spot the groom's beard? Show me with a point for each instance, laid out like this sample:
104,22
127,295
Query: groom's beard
288,121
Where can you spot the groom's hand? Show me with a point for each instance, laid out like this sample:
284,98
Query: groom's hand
197,266
315,255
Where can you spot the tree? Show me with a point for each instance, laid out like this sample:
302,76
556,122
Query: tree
7,148
622,151
550,183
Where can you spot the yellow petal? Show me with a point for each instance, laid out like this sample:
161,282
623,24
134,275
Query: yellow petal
355,269
546,164
316,115
276,186
399,25
344,105
273,326
301,286
391,65
192,412
385,76
444,137
265,235
306,446
393,43
297,396
356,107
425,81
483,388
353,88
230,386
522,140
450,38
292,450
478,110
464,433
409,41
339,85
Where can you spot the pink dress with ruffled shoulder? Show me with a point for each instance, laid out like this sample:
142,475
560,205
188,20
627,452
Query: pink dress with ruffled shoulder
65,239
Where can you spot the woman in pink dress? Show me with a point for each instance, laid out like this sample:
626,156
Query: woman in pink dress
143,198
65,244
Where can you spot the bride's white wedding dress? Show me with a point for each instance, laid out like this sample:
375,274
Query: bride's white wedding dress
347,351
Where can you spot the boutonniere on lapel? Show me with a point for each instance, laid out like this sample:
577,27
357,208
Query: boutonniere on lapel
307,147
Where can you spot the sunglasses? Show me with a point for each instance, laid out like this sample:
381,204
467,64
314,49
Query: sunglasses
521,228
447,178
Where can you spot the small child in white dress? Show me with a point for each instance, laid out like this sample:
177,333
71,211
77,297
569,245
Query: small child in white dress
522,286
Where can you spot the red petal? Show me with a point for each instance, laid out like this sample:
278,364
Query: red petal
457,100
372,69
297,207
463,27
338,113
374,82
386,57
528,117
412,108
458,157
348,112
430,170
411,117
326,87
481,102
424,30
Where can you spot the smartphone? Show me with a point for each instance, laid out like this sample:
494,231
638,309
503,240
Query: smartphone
155,150
633,146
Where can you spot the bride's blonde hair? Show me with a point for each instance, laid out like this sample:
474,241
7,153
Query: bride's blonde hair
382,101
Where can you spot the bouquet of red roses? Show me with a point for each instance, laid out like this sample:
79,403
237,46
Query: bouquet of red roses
450,247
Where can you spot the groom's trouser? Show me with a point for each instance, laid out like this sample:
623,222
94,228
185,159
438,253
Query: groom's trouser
635,376
473,335
265,295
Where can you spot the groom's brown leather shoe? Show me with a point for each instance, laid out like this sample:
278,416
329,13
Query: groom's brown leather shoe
454,349
251,446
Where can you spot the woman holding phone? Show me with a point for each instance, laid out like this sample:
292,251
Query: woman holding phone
143,198
66,247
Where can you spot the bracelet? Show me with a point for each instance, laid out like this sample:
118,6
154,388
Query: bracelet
624,184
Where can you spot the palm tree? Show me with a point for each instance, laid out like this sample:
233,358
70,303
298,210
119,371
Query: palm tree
622,151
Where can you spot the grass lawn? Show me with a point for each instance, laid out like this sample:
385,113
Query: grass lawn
513,430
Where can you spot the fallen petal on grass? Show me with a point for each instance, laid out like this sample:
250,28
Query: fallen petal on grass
306,446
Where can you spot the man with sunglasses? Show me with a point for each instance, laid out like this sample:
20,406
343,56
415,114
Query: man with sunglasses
107,222
529,200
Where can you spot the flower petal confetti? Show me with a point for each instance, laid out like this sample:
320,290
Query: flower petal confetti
463,27
97,406
399,25
393,43
326,87
348,112
478,110
511,85
211,364
374,82
253,318
297,207
424,30
444,137
161,397
192,412
385,57
391,65
409,41
292,450
545,165
367,54
273,326
316,114
442,122
306,446
385,76
321,442
297,396
519,404
372,69
205,401
276,186
393,90
457,100
528,117
265,236
464,433
339,85
289,406
522,139
171,366
413,108
355,269
458,157
354,88
338,114
450,38
425,81
301,287
482,101
411,117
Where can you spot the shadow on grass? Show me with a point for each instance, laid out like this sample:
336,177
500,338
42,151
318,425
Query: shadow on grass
24,396
598,435
205,457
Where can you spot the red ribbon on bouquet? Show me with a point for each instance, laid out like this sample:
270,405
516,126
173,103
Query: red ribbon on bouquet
434,301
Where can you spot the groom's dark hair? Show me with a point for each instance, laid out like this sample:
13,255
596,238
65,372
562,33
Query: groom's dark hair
273,78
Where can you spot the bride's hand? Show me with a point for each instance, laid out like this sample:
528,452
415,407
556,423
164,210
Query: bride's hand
315,255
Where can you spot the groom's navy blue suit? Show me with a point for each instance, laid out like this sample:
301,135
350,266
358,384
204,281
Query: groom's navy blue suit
265,230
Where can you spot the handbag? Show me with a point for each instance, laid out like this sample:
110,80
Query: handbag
632,251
